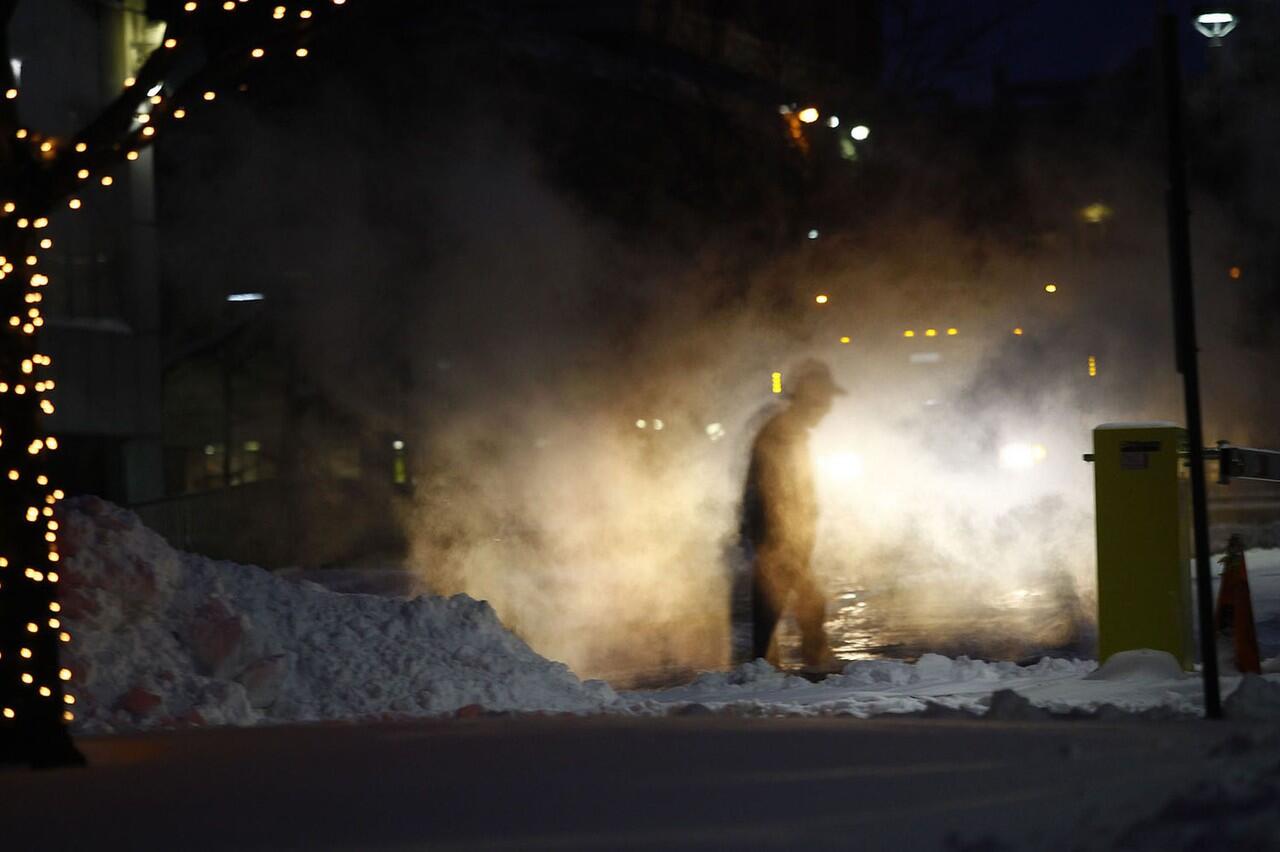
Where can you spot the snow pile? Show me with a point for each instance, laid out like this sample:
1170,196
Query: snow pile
163,637
937,669
933,684
1255,700
1142,664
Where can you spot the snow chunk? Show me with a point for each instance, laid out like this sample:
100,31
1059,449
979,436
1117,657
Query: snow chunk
757,675
1255,700
1142,664
165,638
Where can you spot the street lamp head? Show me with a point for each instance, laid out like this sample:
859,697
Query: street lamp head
1214,23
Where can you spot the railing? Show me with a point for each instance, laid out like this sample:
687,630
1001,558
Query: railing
274,523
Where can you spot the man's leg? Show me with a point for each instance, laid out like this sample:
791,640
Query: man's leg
766,608
811,613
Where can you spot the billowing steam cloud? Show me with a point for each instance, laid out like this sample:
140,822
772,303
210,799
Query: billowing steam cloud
956,506
584,405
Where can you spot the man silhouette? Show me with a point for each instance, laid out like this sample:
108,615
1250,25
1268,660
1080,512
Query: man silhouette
780,514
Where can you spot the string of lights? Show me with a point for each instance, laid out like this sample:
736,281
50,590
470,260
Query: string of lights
207,45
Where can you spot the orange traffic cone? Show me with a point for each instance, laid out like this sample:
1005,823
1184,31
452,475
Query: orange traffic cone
1234,613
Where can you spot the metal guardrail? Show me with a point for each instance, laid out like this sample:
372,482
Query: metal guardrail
1246,463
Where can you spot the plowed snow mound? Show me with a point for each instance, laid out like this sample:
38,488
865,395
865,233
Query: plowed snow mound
162,637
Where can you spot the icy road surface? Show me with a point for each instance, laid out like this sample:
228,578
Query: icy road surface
616,783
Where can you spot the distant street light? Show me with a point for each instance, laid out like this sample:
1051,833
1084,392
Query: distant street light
1095,213
808,115
813,233
833,121
1215,24
245,297
860,132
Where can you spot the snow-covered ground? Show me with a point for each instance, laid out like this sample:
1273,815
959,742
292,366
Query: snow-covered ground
164,638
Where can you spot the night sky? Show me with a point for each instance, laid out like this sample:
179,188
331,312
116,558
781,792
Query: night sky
1050,40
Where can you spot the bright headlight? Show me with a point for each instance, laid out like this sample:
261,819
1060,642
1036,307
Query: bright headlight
1022,456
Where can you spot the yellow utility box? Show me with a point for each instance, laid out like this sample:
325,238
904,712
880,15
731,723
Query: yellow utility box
1143,509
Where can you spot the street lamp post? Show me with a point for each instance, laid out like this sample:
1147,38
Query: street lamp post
1187,353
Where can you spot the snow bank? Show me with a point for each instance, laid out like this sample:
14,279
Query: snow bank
163,637
865,688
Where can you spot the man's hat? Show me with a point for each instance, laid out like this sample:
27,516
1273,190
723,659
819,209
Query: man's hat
813,377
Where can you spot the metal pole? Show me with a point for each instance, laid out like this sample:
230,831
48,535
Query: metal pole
1184,321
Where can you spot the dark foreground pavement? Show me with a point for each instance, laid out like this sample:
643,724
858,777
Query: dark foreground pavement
608,783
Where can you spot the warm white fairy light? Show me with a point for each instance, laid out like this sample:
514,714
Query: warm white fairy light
147,120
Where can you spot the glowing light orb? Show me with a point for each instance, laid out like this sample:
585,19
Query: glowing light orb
1022,457
841,466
